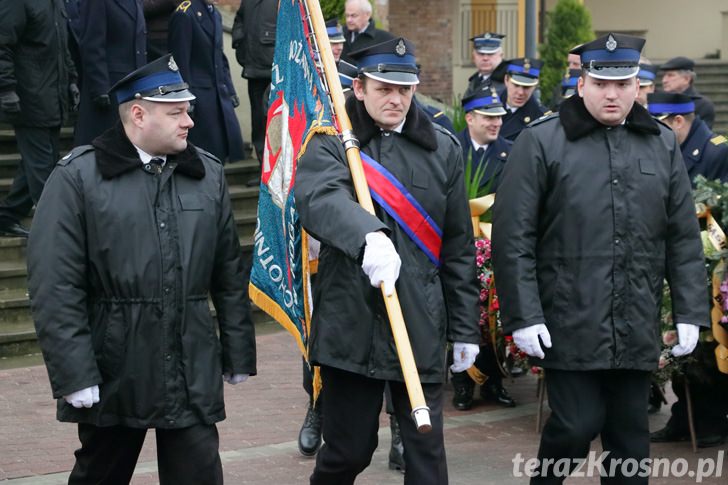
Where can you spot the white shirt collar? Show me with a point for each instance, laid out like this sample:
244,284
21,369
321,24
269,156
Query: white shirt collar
398,128
476,145
510,108
145,157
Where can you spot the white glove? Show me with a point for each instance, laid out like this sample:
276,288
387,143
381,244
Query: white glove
234,378
527,339
687,338
85,398
463,356
381,262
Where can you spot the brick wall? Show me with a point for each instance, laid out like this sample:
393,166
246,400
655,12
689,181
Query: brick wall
429,24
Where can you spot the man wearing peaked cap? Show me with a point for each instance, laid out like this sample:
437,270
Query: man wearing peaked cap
119,275
336,38
481,140
415,172
704,152
678,77
579,281
487,57
646,76
521,107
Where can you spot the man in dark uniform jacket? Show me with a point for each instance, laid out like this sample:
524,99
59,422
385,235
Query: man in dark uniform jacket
195,39
704,152
521,107
38,91
594,208
487,57
133,235
351,338
113,44
481,139
678,77
359,31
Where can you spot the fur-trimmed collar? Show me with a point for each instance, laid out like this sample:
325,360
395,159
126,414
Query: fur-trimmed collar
116,155
417,127
578,122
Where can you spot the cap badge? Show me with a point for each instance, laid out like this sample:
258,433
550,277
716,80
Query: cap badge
611,44
487,36
401,49
526,64
172,65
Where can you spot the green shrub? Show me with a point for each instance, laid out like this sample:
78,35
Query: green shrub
568,25
333,8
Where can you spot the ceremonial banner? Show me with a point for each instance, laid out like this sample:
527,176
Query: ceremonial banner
298,108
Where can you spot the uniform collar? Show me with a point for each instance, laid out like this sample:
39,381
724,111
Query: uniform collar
116,155
578,122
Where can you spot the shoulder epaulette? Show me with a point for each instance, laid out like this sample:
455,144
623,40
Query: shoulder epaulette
548,116
207,154
718,140
446,132
438,114
184,6
75,153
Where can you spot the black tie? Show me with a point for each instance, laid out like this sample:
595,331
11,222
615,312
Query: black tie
479,155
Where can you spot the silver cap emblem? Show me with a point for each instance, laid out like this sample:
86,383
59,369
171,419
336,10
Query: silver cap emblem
611,44
401,49
172,65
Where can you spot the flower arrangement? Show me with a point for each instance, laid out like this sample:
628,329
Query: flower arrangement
505,348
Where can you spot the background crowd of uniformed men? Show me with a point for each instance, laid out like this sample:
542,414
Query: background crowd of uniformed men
90,45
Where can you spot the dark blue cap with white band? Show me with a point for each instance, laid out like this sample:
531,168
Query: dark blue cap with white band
488,42
647,74
612,56
484,101
391,62
158,81
524,71
662,105
335,32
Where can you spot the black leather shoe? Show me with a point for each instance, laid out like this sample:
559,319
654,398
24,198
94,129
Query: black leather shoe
497,393
396,451
669,434
715,439
463,386
309,438
12,229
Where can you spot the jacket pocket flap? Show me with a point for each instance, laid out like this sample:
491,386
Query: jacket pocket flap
419,180
647,166
190,202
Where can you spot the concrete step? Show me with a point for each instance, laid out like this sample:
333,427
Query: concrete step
12,248
244,198
14,310
238,173
13,275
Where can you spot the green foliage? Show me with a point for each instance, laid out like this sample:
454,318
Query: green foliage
457,115
473,179
333,8
568,25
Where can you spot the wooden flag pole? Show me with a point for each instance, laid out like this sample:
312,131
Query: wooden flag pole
420,411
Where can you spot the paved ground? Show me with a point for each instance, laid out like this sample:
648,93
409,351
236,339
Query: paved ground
258,439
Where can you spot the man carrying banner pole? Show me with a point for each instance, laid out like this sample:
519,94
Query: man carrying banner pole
415,173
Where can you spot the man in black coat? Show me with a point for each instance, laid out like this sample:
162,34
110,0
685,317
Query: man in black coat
134,234
113,44
37,91
594,210
195,39
254,38
361,254
521,106
359,31
678,77
487,57
704,152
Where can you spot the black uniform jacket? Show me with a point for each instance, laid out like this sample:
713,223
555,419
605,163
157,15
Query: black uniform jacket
588,222
195,39
350,328
121,261
495,157
113,43
515,121
35,61
705,153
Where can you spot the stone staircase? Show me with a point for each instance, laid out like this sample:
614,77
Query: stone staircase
17,333
712,82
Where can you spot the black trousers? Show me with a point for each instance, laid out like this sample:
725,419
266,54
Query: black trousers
351,411
487,363
584,404
186,456
39,153
258,114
